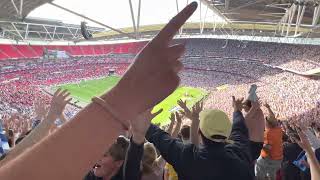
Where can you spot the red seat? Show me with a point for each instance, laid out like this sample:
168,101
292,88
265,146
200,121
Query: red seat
26,51
10,51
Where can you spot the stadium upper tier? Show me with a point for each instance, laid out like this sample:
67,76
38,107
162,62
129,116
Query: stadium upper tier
261,51
10,51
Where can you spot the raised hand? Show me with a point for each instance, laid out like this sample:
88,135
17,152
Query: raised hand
196,109
172,118
237,103
177,128
140,125
303,142
40,109
153,75
266,105
179,117
172,122
59,101
186,111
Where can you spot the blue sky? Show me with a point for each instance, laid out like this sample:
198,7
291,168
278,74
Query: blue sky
116,13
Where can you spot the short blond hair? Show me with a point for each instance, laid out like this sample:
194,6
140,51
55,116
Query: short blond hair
149,157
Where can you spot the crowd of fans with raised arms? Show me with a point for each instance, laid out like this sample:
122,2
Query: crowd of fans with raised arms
267,134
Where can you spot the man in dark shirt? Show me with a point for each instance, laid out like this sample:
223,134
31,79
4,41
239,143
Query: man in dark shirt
225,153
291,151
110,166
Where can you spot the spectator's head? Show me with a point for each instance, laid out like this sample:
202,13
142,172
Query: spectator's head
148,158
112,159
185,134
247,105
214,126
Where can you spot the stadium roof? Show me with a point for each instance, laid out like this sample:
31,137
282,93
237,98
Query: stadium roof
15,25
281,13
42,30
268,11
286,18
19,9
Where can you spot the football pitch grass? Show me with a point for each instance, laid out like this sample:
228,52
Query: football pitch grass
85,90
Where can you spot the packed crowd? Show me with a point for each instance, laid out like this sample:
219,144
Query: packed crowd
270,133
23,84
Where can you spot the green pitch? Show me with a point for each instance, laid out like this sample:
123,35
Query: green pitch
85,90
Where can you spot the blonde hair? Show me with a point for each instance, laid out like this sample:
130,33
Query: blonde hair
148,158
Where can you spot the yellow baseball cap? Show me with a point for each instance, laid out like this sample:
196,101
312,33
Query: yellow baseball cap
214,122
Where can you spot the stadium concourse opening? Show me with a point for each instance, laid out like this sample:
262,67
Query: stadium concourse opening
235,97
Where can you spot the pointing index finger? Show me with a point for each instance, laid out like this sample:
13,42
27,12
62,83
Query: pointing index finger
168,32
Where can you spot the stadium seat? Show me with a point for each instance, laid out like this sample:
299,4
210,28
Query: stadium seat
37,49
26,51
76,51
3,56
10,51
87,50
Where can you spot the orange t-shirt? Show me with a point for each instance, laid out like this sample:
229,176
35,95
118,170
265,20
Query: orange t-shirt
273,137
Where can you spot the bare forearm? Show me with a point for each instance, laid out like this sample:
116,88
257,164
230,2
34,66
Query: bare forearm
176,130
194,133
271,114
314,165
169,131
91,132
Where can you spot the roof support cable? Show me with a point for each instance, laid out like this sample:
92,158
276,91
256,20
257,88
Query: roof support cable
15,6
92,20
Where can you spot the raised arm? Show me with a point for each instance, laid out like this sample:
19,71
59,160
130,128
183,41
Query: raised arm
271,114
312,159
168,146
58,103
132,163
193,115
149,80
196,109
240,133
314,141
177,128
172,121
